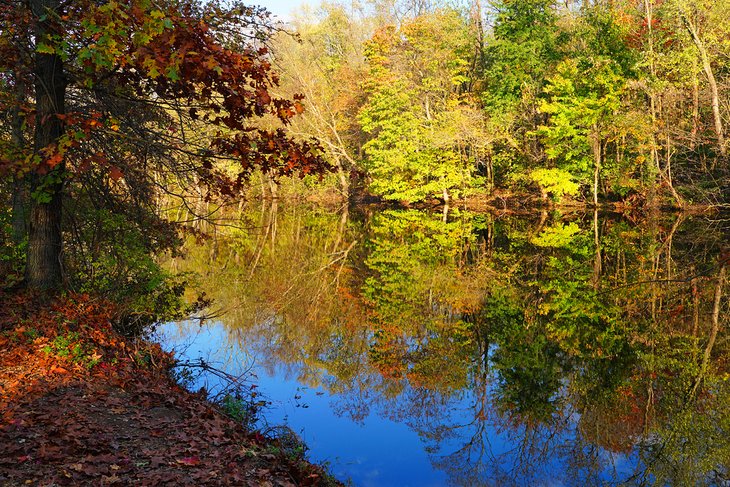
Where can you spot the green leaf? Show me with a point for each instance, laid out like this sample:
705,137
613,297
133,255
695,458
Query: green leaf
45,49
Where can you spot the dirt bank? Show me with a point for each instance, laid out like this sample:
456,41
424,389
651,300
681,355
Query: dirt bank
82,405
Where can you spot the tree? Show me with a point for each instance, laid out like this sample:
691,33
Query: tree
325,62
418,78
673,64
689,11
583,97
100,70
520,53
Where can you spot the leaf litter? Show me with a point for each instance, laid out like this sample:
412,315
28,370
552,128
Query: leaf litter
82,405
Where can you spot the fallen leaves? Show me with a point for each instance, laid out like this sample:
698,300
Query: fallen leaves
55,369
189,461
118,422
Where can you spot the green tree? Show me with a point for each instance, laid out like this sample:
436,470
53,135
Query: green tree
521,52
416,77
582,99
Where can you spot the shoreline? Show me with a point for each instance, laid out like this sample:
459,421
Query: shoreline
83,405
498,202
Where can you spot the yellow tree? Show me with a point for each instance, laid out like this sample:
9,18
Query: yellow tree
324,60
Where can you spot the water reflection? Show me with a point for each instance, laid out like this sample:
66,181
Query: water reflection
548,349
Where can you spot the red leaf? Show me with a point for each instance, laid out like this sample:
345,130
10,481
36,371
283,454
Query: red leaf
54,160
115,173
190,461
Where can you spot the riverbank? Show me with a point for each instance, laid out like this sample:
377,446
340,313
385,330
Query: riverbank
82,405
504,202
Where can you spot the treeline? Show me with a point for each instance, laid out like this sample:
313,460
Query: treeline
582,101
118,118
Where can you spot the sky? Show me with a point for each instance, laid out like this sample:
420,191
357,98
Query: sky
281,8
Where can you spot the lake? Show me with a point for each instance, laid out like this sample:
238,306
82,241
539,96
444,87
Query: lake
419,348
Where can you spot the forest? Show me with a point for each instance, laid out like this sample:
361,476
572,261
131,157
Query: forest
124,122
587,102
479,221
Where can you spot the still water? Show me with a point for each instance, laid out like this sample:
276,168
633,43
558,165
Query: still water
421,348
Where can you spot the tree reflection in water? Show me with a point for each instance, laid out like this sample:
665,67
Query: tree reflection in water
550,348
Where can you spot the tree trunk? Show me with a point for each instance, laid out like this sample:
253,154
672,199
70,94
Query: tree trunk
653,169
597,158
490,174
477,66
715,328
43,269
668,173
445,214
20,191
707,67
597,259
695,107
20,211
343,177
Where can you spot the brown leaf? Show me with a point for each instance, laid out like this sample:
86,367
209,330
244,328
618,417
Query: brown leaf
115,173
58,370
